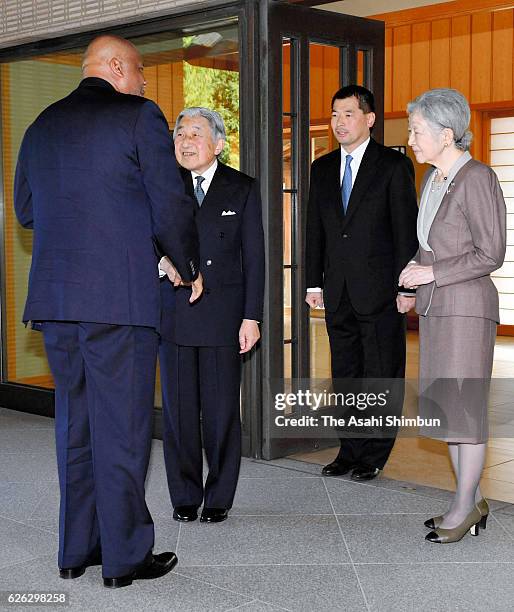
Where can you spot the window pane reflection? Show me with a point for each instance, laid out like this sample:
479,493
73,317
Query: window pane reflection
193,68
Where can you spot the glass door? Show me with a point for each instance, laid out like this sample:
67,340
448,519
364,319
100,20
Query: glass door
311,53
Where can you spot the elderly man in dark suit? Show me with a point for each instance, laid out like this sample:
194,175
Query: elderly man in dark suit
97,182
202,344
361,232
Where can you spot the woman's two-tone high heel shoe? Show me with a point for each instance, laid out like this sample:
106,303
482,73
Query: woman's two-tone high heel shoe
448,536
483,508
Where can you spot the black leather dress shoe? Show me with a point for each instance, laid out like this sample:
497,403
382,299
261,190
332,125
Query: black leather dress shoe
214,515
337,468
68,573
364,472
158,566
185,514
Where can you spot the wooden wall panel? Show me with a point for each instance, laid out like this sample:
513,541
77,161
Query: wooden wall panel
443,10
151,83
177,97
164,91
476,127
471,50
460,60
481,57
331,77
502,55
402,67
325,79
316,82
440,54
360,68
421,34
165,86
388,94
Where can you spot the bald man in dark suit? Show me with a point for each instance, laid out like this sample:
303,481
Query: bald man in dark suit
97,182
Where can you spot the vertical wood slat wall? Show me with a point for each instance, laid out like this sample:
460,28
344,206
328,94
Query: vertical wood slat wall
472,53
324,80
165,86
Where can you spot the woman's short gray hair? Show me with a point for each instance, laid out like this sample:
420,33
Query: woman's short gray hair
445,108
214,118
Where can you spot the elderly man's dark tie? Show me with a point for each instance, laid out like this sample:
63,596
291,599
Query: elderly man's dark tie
199,192
346,187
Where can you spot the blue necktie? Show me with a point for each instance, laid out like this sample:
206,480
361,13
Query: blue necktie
199,192
346,187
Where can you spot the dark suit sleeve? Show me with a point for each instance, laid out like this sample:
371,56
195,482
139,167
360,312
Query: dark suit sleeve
22,190
174,228
404,214
252,241
315,235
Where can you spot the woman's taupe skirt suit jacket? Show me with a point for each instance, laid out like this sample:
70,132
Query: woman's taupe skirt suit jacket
459,310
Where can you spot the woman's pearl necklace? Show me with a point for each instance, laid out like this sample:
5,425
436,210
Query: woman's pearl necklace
437,185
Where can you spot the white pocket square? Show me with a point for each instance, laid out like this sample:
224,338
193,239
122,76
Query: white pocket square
225,213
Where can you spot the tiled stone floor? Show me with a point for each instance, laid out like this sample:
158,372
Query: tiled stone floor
424,461
294,541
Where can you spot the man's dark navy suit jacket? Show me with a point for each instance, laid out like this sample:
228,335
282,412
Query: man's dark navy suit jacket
231,262
97,183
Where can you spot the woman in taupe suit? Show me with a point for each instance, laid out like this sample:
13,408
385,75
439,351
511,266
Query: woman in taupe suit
461,233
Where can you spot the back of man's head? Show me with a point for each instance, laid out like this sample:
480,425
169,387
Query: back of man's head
117,61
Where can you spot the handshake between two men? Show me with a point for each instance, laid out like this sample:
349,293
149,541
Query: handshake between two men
171,272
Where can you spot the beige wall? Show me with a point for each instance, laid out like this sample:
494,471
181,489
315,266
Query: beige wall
395,132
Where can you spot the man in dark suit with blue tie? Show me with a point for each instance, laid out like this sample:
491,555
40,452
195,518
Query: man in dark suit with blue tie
202,343
361,230
97,182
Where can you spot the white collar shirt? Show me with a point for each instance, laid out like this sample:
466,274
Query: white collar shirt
357,155
208,175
